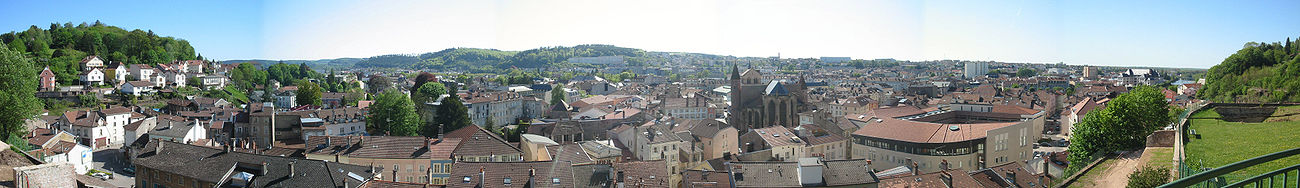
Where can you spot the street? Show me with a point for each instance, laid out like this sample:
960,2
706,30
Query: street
109,160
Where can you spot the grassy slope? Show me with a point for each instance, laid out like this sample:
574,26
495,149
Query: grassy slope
1223,143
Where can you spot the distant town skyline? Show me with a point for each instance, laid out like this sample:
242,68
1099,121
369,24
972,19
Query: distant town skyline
1190,34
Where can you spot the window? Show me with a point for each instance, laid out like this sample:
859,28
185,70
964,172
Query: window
467,179
555,181
506,181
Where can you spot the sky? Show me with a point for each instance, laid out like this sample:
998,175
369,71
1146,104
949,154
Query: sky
1193,34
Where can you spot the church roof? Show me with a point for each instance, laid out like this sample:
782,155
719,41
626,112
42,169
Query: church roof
775,88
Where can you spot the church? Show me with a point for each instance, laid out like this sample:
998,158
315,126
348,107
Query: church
758,104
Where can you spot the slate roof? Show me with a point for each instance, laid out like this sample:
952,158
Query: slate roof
593,175
544,174
598,150
569,152
848,172
765,174
391,184
775,88
178,129
698,178
385,147
476,141
213,165
959,179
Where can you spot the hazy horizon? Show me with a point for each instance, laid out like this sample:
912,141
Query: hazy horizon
1113,33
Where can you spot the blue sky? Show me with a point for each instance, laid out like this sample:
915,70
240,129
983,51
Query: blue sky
1195,34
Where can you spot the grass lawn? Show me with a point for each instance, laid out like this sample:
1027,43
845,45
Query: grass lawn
1222,143
1161,157
1090,178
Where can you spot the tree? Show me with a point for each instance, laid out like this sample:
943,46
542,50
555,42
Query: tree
452,114
379,83
308,93
557,94
1148,177
424,77
88,100
1124,123
1026,73
393,114
18,100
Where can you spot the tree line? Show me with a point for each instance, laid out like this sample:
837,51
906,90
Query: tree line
61,47
1259,72
493,60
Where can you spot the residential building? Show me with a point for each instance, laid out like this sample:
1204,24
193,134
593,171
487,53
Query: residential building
409,156
171,164
47,78
480,145
91,62
97,129
142,72
512,174
501,108
968,136
975,70
178,131
76,155
92,77
138,88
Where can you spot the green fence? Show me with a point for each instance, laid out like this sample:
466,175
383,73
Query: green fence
1214,177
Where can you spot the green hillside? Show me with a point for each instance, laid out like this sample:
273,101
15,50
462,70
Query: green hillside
1259,72
62,46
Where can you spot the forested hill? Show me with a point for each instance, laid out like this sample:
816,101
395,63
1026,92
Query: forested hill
62,46
1259,72
477,59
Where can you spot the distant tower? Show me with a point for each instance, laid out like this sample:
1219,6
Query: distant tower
1089,72
975,69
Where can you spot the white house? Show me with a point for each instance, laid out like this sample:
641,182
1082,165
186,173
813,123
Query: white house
92,62
286,99
214,81
119,70
142,72
174,78
80,157
97,128
159,80
93,77
138,88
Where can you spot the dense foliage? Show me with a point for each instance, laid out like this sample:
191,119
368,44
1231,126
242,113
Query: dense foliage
393,114
308,93
1148,177
17,92
1026,73
246,76
288,74
492,60
1259,72
62,46
1123,124
452,114
557,94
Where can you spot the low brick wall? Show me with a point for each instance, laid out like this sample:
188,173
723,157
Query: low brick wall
1162,138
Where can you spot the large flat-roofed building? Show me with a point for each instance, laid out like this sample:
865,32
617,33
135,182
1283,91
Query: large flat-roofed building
967,136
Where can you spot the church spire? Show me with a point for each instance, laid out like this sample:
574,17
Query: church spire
735,72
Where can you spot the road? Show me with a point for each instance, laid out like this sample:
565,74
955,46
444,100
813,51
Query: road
108,160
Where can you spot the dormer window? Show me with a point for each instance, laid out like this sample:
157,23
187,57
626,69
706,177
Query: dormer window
467,179
506,181
555,181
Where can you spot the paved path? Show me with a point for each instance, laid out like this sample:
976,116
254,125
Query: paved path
1117,174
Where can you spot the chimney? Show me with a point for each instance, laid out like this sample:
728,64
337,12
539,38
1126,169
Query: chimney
481,176
944,165
158,150
292,170
265,168
1011,176
947,179
441,131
